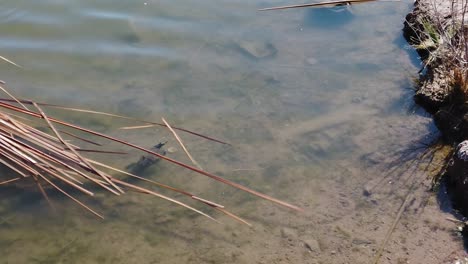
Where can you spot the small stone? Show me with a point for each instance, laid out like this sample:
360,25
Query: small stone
367,190
256,49
361,242
312,245
288,233
171,149
462,150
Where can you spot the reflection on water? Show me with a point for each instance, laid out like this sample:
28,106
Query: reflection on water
314,103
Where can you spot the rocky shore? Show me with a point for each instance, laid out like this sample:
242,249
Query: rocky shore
438,29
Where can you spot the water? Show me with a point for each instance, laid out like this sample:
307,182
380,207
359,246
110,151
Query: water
315,119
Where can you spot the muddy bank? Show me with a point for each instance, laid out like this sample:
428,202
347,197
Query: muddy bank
438,29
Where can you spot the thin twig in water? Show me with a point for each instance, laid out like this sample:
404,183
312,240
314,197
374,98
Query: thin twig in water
57,134
9,61
11,180
150,124
181,144
324,4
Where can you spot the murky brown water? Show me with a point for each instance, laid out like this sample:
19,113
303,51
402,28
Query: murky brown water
317,106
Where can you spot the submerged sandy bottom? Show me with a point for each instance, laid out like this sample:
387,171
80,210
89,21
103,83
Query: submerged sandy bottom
321,123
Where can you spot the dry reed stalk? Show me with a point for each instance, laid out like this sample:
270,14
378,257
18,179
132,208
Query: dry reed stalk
149,123
210,175
322,4
182,144
9,61
49,159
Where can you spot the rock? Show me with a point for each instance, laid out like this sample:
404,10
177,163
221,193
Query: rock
361,242
129,38
452,123
434,91
448,124
257,49
457,175
288,233
367,190
312,245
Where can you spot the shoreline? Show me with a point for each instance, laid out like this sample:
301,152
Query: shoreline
438,30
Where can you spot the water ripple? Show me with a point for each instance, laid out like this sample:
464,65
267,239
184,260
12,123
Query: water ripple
84,47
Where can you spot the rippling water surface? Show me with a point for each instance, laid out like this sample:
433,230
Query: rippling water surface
316,104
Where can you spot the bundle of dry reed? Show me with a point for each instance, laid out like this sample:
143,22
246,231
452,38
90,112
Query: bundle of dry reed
47,159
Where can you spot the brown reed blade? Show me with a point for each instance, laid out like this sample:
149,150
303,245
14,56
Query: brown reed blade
213,204
101,151
9,61
143,190
136,127
117,116
71,197
43,192
321,4
62,163
207,202
57,134
140,178
11,180
181,144
233,216
68,174
225,181
210,203
56,175
80,138
12,167
12,154
14,98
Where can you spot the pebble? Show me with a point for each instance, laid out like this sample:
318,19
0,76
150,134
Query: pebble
312,245
288,233
257,49
171,149
367,190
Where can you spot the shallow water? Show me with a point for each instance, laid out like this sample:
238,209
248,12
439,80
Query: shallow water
315,115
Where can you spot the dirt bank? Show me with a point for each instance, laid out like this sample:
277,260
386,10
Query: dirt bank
438,29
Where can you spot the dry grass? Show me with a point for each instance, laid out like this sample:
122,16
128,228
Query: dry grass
52,163
442,36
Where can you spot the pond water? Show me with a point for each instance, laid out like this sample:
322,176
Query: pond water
316,104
